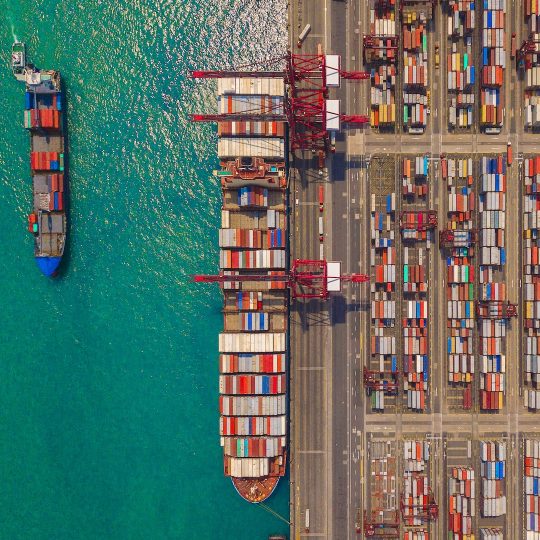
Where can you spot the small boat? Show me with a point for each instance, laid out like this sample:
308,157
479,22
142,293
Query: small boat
18,60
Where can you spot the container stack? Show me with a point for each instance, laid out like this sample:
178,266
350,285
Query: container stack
415,175
416,535
253,240
415,306
532,67
461,74
531,280
493,473
415,71
416,489
458,174
382,64
383,362
493,65
415,353
382,499
531,486
47,161
42,111
461,503
492,325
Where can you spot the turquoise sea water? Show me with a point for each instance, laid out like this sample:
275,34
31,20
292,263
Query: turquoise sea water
108,374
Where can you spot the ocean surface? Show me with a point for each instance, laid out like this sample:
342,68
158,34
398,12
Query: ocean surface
108,374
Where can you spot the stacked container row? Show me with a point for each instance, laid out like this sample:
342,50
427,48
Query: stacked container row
415,70
415,305
461,503
416,488
531,487
381,58
460,261
531,66
531,281
382,499
493,473
415,174
493,64
492,324
461,73
383,359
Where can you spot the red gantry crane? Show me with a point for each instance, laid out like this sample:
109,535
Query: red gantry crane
417,220
457,238
424,512
385,381
374,527
310,114
495,309
528,48
306,279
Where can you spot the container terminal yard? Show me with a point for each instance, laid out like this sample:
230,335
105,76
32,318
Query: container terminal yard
413,398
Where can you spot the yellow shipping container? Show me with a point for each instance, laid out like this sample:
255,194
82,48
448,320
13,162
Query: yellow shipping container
483,114
393,112
528,310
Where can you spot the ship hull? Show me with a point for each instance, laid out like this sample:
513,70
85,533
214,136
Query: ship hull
48,265
255,490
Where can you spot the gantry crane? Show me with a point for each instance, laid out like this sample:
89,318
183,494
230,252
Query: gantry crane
306,279
428,4
373,42
418,220
374,527
380,380
424,512
495,309
307,109
529,47
457,238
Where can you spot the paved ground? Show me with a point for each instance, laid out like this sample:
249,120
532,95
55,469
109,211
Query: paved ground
330,427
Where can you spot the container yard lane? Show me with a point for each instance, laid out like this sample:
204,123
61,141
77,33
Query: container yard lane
414,400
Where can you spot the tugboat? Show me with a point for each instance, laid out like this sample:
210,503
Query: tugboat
18,60
44,119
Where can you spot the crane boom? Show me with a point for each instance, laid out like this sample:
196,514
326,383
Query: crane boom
307,278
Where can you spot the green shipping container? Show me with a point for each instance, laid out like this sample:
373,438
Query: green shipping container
405,114
424,42
465,61
405,273
466,274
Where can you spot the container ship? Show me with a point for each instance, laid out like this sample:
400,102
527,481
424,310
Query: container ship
43,117
253,243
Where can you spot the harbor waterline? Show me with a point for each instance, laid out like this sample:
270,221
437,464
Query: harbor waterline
109,372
